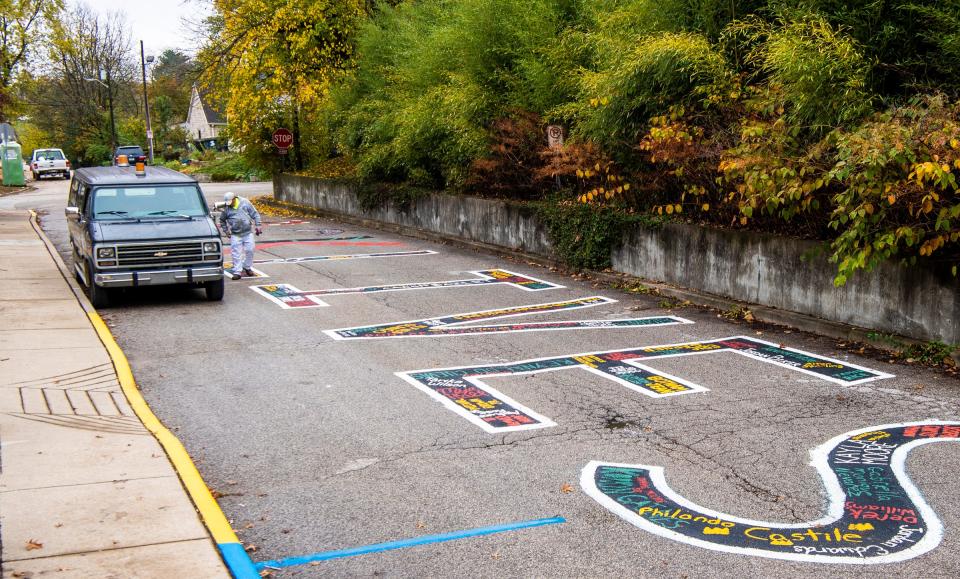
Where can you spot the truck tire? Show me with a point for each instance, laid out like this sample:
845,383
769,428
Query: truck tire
98,296
214,290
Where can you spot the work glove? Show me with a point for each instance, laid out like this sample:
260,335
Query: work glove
259,231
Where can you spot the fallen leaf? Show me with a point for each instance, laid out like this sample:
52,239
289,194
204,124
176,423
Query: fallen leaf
33,545
231,482
58,525
250,548
566,488
421,524
248,526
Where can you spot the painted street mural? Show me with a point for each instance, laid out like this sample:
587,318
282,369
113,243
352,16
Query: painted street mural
288,222
462,390
343,241
289,297
452,325
875,515
262,246
279,260
257,274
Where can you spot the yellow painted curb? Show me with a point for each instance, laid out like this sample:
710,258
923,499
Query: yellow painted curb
212,515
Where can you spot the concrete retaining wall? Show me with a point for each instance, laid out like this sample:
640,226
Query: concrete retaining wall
756,268
470,218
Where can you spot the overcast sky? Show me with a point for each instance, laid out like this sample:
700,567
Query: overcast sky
159,23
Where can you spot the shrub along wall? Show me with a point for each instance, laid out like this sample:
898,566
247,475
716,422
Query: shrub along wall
773,271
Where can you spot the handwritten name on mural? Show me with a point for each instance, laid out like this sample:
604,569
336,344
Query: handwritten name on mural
864,452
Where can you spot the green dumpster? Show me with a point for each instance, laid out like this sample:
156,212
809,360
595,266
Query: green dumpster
12,164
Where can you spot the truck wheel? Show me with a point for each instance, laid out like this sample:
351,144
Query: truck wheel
97,295
214,290
35,176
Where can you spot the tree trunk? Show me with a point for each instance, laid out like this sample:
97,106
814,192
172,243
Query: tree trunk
297,151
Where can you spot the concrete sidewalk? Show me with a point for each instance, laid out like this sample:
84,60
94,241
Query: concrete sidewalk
85,490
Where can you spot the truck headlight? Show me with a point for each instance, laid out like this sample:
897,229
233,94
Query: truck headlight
211,247
106,252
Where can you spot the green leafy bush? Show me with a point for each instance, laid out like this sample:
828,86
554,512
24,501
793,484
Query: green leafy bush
432,76
899,197
650,75
817,72
584,235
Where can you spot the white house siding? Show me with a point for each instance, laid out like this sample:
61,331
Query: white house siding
197,121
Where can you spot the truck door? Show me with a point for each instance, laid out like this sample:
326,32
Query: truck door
77,222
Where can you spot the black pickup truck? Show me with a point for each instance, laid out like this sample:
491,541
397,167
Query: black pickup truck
130,229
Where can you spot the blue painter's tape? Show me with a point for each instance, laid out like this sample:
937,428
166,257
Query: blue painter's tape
237,561
425,540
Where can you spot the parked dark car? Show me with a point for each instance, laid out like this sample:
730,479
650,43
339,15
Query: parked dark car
153,228
134,155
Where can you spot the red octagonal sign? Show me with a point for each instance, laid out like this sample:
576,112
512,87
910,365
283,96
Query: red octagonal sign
282,138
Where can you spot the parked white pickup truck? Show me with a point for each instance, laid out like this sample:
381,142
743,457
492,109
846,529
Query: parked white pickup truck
49,162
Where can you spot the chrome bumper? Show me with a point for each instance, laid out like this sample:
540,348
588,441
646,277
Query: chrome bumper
158,277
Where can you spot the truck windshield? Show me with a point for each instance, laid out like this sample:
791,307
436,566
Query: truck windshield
161,201
49,155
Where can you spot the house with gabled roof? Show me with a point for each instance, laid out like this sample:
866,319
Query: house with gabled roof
204,124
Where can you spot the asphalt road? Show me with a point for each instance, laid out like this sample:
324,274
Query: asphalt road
316,444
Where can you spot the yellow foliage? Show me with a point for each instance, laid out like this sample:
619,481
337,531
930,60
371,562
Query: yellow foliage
273,57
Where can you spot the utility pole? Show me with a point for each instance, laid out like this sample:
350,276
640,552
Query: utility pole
113,123
146,101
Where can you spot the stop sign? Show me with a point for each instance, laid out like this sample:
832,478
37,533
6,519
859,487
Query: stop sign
282,138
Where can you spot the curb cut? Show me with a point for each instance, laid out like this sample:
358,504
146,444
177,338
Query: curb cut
231,550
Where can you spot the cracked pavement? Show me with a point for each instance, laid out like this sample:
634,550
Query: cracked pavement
316,445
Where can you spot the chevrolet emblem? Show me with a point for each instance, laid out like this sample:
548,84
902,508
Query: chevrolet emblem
160,254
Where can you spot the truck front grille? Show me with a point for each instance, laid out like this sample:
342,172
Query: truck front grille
160,254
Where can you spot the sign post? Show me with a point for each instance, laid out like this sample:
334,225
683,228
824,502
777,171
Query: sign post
282,139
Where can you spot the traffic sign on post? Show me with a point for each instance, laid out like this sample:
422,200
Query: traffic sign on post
282,139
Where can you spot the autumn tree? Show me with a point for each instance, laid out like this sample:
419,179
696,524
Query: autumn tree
271,63
72,110
171,79
22,23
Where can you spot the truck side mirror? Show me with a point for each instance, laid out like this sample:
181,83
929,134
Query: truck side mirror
71,211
